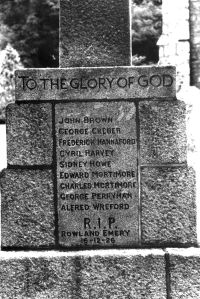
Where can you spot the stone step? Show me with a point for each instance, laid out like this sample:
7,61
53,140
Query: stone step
89,274
183,273
150,274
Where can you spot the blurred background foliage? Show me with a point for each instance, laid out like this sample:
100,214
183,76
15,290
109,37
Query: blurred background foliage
9,62
32,28
146,30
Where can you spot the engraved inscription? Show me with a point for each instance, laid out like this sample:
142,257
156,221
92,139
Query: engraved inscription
95,83
97,174
107,83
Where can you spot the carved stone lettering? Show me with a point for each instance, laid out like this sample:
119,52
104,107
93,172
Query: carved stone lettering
95,83
97,174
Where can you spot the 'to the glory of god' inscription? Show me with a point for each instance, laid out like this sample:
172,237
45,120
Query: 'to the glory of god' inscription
95,83
97,174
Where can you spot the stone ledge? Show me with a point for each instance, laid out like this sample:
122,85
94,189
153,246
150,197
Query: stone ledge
97,274
151,274
184,267
84,83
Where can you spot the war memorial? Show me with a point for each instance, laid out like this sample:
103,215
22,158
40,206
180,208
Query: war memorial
98,199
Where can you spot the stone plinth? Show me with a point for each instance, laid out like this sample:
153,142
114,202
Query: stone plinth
99,274
149,274
105,151
184,272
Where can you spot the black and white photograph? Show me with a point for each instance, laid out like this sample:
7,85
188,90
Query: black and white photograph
100,149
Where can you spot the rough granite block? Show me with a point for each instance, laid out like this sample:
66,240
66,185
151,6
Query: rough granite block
13,277
94,33
168,206
95,83
163,132
27,208
29,134
92,275
184,267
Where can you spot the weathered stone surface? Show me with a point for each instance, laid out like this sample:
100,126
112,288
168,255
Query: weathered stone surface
29,134
114,274
13,278
168,208
184,269
95,83
97,174
163,132
94,33
27,209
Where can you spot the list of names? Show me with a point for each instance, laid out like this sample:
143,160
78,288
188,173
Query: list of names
97,174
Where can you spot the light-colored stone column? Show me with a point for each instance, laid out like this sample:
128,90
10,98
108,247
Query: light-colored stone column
174,47
195,41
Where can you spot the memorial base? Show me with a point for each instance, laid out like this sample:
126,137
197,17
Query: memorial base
133,274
